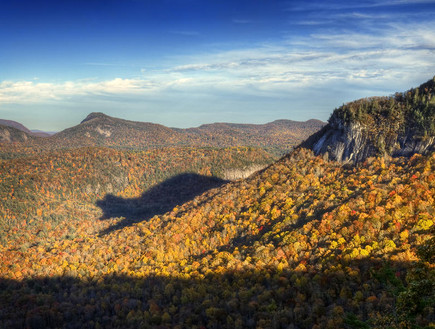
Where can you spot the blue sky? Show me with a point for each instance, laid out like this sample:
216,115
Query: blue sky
183,63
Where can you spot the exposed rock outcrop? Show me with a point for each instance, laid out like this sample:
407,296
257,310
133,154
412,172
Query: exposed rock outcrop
400,125
343,143
242,173
355,142
11,135
410,145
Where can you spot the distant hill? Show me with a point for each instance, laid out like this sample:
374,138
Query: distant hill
10,134
41,133
102,130
403,124
279,134
15,124
19,126
98,129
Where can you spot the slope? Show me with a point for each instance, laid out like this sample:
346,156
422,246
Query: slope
402,124
305,243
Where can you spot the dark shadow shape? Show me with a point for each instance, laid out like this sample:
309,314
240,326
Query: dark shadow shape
157,200
254,298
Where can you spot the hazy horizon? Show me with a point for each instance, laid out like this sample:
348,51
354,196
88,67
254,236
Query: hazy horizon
36,129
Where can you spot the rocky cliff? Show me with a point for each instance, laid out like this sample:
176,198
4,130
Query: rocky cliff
11,135
400,125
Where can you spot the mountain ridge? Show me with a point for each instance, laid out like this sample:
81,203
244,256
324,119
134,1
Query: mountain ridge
99,129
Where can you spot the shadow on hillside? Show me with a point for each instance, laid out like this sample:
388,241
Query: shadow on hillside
267,298
157,200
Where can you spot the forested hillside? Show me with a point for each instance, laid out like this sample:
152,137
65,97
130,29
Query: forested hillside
278,137
305,243
63,187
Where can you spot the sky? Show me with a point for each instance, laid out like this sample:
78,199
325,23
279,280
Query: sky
183,63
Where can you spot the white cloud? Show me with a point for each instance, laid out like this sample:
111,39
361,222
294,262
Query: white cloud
378,61
401,2
345,5
36,92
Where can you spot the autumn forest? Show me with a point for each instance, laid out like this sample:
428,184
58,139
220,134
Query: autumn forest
215,230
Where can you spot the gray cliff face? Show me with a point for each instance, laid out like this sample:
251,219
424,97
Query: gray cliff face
344,143
11,135
410,145
354,142
399,125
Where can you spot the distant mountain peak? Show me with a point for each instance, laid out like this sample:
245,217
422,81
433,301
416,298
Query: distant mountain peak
95,115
